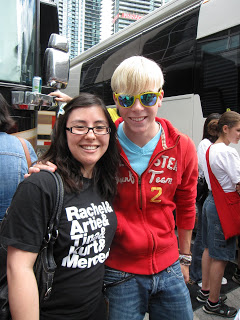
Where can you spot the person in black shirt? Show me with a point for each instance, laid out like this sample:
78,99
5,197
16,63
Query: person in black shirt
84,149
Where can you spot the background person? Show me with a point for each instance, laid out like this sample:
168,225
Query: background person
84,149
209,137
158,173
13,162
225,165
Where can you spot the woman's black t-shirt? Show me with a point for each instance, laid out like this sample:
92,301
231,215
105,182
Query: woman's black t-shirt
86,230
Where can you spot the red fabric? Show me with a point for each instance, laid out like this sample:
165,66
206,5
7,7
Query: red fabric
227,204
145,240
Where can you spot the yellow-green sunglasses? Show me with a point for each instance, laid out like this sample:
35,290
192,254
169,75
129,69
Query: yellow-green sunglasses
147,99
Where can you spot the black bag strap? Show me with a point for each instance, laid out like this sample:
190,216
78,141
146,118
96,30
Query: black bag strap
52,230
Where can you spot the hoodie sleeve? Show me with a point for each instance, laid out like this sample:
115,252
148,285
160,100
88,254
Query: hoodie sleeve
187,189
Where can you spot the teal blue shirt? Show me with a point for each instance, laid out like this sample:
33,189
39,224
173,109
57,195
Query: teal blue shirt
137,156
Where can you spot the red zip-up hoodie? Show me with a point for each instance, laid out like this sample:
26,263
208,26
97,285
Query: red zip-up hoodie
145,240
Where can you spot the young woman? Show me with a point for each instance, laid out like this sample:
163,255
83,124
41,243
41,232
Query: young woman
84,150
210,135
225,165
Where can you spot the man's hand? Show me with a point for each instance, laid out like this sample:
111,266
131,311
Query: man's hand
40,166
61,97
185,272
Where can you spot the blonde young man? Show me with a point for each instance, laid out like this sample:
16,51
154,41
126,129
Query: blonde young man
148,266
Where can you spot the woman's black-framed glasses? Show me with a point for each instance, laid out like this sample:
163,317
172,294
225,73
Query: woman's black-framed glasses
147,99
98,130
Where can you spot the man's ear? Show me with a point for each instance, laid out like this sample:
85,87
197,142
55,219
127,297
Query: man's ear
162,94
160,98
116,103
115,99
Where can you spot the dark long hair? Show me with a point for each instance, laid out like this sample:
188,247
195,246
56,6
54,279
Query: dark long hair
6,122
210,131
105,170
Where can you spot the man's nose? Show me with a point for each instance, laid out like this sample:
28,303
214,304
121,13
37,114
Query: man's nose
137,105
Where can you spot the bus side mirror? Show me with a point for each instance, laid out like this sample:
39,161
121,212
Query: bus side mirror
56,62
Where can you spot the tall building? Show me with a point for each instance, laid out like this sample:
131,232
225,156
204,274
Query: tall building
86,22
92,22
80,22
106,19
68,14
128,11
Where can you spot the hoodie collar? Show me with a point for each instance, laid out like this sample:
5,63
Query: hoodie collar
169,134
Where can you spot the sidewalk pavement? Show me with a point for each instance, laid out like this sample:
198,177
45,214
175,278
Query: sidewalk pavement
233,300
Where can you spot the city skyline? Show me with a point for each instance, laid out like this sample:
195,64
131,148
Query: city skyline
88,22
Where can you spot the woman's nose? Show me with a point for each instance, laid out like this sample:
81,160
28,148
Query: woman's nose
90,134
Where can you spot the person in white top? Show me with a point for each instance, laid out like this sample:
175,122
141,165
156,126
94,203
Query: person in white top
225,165
210,135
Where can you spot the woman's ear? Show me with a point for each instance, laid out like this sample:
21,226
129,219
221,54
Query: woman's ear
225,128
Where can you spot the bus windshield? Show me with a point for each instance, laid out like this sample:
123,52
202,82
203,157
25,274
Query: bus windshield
17,38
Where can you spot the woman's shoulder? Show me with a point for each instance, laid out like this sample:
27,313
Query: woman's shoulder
10,142
44,180
221,150
203,146
205,143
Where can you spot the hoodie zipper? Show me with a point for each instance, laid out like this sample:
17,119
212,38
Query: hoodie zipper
140,192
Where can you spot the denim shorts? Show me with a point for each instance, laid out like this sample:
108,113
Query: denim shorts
212,233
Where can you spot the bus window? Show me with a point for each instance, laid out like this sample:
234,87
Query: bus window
235,42
17,41
172,47
217,79
215,46
97,72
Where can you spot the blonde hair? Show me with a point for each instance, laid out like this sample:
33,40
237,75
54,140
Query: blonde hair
137,74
